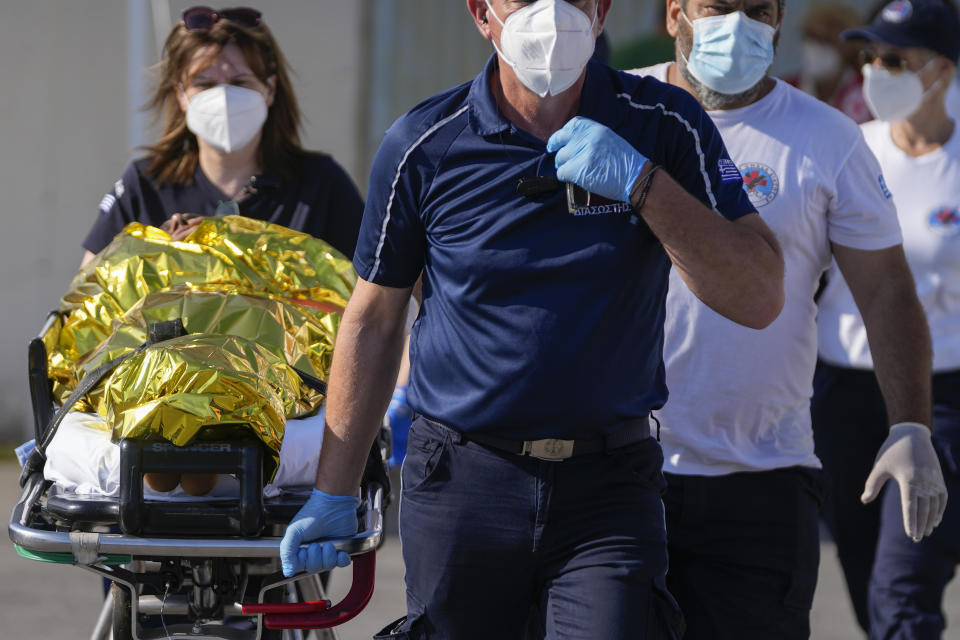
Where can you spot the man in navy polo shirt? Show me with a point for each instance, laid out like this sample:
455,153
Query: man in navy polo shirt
531,486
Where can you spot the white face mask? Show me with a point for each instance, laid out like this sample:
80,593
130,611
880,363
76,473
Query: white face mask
547,43
820,61
226,117
892,97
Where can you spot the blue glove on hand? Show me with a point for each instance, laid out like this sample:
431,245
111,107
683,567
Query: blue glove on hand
322,516
592,156
399,417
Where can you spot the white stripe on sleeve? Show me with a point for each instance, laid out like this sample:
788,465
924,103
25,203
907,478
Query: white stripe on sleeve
696,140
107,203
396,179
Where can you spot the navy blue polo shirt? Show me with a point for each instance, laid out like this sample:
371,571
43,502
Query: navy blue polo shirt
321,201
535,322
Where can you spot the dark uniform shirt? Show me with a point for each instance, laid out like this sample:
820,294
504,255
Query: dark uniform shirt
535,322
323,202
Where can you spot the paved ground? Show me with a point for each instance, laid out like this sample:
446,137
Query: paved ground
58,602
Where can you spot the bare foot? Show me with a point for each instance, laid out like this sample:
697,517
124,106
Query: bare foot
198,484
162,482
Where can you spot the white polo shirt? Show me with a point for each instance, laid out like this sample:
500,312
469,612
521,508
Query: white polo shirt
926,190
739,398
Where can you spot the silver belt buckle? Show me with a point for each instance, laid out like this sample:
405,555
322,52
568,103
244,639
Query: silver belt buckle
549,449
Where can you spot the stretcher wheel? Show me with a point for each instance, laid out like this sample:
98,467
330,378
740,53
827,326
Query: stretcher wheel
122,620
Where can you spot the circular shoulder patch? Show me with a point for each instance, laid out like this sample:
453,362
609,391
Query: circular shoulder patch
945,221
760,183
897,11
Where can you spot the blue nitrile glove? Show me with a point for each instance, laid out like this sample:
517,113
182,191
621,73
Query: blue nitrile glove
399,417
592,156
322,516
23,451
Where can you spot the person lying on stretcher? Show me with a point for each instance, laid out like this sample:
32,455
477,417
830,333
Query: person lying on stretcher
260,305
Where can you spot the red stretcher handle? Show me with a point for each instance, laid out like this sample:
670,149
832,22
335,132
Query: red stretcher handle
286,607
364,568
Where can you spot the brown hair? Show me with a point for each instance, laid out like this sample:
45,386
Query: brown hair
832,18
173,158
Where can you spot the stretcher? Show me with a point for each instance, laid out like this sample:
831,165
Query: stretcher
204,568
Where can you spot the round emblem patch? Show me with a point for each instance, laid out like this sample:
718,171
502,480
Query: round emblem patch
897,11
945,221
760,183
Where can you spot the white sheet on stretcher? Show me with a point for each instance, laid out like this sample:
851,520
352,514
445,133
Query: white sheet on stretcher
81,459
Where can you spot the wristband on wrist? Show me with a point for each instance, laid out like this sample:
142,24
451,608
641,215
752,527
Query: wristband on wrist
642,185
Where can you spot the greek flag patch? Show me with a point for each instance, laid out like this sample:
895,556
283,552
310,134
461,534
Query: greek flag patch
728,171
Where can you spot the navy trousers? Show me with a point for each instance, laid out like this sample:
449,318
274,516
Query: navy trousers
503,546
900,586
849,426
744,551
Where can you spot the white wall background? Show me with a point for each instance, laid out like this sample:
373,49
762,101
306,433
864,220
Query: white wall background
64,137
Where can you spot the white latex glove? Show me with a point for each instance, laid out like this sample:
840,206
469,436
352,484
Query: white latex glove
908,457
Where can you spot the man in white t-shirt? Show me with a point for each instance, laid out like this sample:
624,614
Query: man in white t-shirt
896,586
744,486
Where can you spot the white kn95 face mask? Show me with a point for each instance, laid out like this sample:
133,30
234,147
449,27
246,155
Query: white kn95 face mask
226,117
547,43
893,96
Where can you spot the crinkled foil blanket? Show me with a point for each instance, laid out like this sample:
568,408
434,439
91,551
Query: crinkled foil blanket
257,300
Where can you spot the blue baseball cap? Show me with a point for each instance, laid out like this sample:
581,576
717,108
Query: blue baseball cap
929,24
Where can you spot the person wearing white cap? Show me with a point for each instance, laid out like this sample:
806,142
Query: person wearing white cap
910,55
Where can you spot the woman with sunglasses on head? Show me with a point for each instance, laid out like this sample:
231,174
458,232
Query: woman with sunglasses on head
230,142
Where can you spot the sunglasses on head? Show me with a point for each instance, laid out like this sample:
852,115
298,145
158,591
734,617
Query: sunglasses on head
891,61
202,18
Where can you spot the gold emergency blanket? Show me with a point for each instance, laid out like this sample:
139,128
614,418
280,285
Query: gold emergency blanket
280,290
211,387
299,336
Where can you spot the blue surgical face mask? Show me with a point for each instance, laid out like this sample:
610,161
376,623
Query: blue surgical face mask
731,53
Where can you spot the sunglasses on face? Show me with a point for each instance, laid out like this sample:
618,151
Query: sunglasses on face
890,61
202,18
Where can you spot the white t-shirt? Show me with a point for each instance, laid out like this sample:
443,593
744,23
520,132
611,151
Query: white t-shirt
953,100
739,398
926,191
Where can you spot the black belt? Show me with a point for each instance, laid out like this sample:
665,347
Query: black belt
554,449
